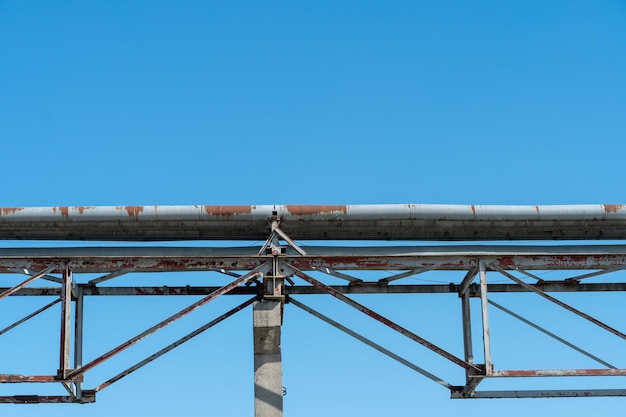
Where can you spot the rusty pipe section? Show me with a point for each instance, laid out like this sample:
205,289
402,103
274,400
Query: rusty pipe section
427,222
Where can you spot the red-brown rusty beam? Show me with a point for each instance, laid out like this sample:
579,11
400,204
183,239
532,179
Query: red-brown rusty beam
557,372
17,378
258,272
46,399
540,394
21,285
174,345
111,260
329,290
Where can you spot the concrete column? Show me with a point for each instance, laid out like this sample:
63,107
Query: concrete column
268,367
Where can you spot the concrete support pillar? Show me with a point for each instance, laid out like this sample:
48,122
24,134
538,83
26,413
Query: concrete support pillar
268,367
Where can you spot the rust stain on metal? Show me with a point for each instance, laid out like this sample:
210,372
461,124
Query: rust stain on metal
11,210
473,209
613,208
227,210
133,210
65,211
81,209
313,210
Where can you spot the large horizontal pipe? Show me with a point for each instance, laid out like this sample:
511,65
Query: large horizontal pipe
301,222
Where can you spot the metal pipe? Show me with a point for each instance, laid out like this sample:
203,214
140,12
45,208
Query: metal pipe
305,222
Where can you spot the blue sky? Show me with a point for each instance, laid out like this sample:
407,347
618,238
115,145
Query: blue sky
344,102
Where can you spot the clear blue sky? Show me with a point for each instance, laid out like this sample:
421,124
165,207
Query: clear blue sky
214,102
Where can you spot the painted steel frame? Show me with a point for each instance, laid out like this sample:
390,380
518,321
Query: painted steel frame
282,269
267,267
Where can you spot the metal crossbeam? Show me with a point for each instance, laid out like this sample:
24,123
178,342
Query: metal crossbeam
261,272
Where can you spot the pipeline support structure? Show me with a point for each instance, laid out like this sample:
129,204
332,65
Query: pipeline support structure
486,249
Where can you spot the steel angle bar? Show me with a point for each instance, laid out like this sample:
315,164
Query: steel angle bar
45,399
69,388
66,301
79,309
174,345
21,285
110,276
471,381
485,318
18,378
552,335
30,316
467,280
593,274
360,288
257,272
329,290
25,271
370,343
524,373
287,239
560,303
336,274
528,274
406,274
267,243
226,272
541,394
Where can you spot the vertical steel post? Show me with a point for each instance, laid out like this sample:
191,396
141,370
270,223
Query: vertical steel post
66,300
484,302
467,328
78,337
467,331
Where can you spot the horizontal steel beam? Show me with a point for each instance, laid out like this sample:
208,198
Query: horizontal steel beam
305,222
541,393
360,288
398,258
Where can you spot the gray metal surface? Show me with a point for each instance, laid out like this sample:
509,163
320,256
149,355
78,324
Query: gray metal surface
263,270
305,222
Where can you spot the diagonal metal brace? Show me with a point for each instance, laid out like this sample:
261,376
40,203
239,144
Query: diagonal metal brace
370,343
174,345
25,283
257,272
559,302
329,290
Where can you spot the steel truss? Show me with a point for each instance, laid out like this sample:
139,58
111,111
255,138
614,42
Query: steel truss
282,270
